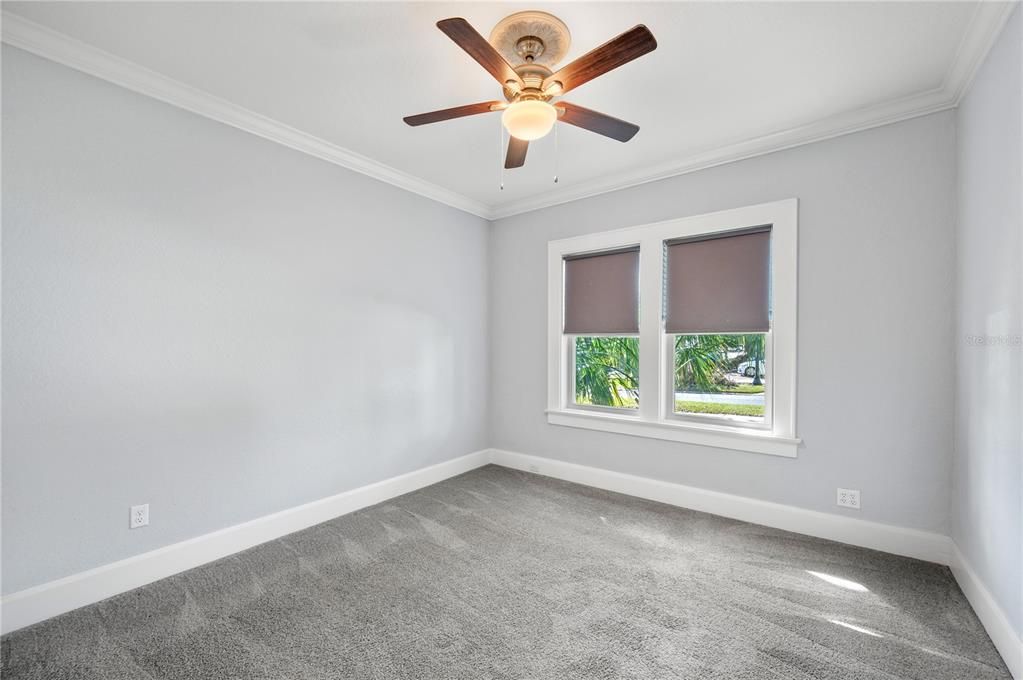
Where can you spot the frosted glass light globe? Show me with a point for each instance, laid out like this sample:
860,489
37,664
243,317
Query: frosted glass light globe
528,120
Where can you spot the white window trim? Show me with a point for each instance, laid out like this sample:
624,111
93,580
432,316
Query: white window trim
655,418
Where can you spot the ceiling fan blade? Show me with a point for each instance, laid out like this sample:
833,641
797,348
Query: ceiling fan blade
456,112
477,47
630,45
516,157
594,121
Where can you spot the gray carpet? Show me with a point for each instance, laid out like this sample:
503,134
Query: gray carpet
502,574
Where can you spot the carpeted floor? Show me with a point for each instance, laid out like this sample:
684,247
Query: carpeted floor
502,574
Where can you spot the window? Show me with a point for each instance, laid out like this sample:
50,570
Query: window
717,310
602,321
681,330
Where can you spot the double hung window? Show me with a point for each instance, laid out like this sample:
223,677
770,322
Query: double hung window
602,327
682,330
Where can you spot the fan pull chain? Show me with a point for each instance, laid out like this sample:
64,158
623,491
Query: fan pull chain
555,152
500,152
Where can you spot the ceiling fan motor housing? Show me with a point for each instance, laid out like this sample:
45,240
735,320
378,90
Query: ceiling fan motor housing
532,75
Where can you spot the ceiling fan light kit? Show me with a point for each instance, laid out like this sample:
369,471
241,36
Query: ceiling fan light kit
536,42
529,119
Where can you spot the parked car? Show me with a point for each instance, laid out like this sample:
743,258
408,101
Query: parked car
748,368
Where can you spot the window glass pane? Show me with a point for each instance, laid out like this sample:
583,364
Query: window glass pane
607,371
721,376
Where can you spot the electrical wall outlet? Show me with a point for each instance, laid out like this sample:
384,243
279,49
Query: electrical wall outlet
139,516
849,498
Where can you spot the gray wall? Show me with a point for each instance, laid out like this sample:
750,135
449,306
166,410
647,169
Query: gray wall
988,470
211,323
876,374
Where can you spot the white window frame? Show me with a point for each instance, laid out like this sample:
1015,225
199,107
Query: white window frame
655,416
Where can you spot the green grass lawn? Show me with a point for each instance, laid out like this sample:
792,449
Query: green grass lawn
700,407
718,409
743,389
725,389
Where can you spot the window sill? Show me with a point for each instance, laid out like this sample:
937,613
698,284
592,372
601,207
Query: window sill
704,435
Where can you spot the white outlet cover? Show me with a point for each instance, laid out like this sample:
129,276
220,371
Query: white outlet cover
139,516
848,498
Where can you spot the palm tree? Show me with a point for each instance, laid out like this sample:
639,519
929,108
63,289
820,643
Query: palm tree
607,370
699,359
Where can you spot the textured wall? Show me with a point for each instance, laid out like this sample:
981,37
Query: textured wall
211,323
876,375
987,520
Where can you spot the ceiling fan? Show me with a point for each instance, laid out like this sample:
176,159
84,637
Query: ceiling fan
537,41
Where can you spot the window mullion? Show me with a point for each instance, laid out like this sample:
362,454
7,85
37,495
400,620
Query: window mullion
651,380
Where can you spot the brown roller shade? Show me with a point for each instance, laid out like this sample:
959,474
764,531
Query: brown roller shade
602,293
719,284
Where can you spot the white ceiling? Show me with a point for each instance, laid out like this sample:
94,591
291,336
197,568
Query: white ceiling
728,79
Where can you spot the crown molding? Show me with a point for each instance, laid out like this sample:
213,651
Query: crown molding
63,49
988,19
986,25
833,126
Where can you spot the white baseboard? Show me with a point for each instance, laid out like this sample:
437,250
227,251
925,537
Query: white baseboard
922,545
1006,639
38,603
